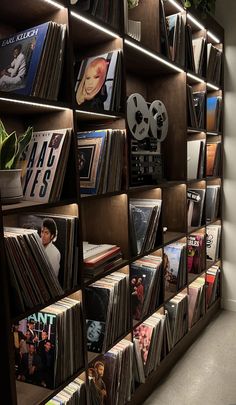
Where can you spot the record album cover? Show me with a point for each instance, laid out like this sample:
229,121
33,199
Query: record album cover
19,59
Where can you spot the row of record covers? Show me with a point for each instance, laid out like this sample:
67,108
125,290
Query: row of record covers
101,162
43,253
32,62
47,355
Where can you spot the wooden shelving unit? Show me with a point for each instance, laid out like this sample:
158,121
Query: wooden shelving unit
105,218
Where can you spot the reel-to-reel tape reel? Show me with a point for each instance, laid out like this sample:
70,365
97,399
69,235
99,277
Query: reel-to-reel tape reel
148,125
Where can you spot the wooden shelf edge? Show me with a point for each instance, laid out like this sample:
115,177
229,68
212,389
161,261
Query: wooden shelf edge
32,205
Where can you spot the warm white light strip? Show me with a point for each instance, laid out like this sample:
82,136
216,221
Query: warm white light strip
55,4
96,114
195,78
196,22
212,36
95,25
152,55
177,5
212,86
49,106
195,131
212,133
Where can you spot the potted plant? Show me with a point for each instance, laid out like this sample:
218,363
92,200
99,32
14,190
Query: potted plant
11,147
204,6
132,3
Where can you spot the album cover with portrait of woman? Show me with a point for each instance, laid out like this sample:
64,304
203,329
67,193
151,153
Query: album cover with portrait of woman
97,307
98,82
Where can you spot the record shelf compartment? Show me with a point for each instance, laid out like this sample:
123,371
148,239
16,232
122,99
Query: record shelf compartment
141,266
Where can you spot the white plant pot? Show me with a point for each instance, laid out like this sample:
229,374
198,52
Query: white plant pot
10,186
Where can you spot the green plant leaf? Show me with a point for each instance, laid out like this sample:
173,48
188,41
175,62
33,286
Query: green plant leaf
23,141
8,151
204,6
3,134
187,4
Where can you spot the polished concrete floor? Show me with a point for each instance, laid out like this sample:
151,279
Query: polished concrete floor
206,374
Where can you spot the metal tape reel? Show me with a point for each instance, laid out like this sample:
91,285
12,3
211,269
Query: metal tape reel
158,120
138,116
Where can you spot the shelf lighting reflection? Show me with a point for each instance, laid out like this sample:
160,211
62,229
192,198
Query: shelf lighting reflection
95,25
195,131
34,104
96,114
195,78
195,21
177,5
212,36
152,55
55,4
212,86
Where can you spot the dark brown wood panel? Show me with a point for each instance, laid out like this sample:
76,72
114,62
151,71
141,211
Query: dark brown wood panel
174,208
106,221
171,91
147,13
147,65
135,85
52,120
33,11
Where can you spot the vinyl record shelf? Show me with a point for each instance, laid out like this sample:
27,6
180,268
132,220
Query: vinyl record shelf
106,217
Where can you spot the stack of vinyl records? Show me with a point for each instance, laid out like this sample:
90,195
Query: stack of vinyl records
100,258
60,355
213,159
213,241
177,309
176,37
212,202
145,285
107,311
195,159
149,338
214,113
37,63
44,165
144,220
196,253
111,375
190,62
214,63
62,246
32,277
196,300
195,200
196,108
195,50
101,159
199,46
50,69
73,394
104,92
175,266
212,281
107,11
